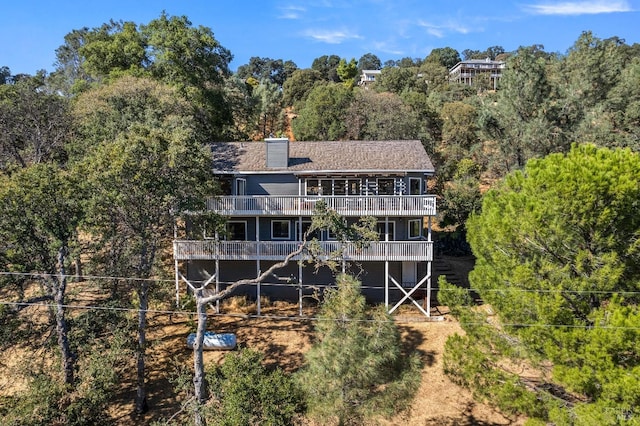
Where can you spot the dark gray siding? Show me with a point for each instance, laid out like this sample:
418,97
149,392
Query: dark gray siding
272,185
284,286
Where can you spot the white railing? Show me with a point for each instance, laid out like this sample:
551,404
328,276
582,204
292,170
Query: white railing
418,251
346,205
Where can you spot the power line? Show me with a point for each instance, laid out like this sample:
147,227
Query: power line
311,318
312,286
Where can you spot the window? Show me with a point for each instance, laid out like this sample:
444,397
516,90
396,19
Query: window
236,231
241,186
386,186
226,184
313,186
381,230
326,187
280,230
415,228
415,186
339,187
353,187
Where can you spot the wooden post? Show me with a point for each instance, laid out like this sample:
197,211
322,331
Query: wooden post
428,307
258,262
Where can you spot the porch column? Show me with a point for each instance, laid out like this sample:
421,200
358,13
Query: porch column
175,264
258,269
217,271
386,265
300,285
428,307
177,274
386,285
300,237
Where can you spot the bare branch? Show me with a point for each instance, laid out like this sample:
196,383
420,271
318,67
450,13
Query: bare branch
224,293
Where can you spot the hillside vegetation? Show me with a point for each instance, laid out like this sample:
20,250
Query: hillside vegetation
101,157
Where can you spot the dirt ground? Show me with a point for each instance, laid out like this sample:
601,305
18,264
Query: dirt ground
284,341
284,336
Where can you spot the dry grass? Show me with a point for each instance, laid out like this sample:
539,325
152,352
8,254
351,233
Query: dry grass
284,337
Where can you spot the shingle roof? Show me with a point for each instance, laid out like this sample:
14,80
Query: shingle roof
325,156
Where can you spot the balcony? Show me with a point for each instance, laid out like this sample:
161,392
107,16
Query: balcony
418,251
346,205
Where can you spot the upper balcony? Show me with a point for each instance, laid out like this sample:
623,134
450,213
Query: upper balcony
345,205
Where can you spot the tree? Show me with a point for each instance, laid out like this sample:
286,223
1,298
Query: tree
327,66
435,77
40,213
357,368
408,62
168,49
491,53
191,59
275,71
269,101
459,136
148,167
396,79
297,87
5,75
624,102
448,57
380,116
369,61
34,125
557,251
114,48
243,105
246,392
69,76
322,116
523,122
347,71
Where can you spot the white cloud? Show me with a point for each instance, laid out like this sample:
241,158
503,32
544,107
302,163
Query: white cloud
331,36
291,12
441,29
590,7
388,48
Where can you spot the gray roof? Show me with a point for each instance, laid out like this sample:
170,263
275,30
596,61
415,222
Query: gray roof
325,157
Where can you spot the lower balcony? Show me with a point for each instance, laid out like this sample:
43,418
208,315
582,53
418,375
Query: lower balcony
418,251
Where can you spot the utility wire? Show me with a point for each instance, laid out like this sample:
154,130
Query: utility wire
311,318
294,284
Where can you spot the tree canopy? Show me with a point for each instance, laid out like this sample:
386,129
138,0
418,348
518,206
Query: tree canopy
557,248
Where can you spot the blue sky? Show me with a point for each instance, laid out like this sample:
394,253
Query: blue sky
301,31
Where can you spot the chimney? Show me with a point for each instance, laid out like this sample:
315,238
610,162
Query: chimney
277,152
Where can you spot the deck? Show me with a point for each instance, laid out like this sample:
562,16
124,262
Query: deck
418,251
345,205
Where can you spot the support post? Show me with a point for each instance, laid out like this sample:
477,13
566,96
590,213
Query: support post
386,285
300,286
177,275
258,268
429,261
258,307
217,272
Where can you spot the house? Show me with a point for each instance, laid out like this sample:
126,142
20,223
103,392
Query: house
466,72
270,190
367,77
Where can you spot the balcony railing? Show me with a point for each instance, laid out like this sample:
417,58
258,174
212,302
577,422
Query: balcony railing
418,251
346,205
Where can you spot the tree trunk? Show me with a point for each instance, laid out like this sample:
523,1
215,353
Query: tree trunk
61,322
199,381
141,394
